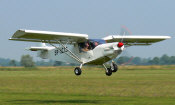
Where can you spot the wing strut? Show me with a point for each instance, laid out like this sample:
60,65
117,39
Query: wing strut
72,55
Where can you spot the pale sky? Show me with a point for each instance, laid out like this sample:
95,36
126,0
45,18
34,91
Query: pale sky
97,18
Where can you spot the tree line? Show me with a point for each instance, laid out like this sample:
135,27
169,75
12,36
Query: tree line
163,60
27,61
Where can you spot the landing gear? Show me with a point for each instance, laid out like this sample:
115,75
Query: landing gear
108,72
77,71
114,67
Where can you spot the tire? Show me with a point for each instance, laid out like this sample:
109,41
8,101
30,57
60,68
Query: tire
115,67
77,71
108,72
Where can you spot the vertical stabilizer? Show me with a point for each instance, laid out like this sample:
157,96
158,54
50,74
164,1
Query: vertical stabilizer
43,45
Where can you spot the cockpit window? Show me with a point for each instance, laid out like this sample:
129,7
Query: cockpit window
93,44
85,47
88,45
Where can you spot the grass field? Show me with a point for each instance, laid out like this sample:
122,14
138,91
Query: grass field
131,85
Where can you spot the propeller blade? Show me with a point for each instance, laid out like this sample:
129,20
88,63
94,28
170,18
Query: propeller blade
124,31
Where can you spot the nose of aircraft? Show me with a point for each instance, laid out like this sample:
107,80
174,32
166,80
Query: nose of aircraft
120,44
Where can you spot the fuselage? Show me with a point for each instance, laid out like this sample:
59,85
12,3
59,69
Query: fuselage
97,56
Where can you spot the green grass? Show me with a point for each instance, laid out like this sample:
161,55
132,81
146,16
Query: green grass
144,85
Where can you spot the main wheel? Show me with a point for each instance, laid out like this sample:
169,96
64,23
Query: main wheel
77,71
114,67
108,72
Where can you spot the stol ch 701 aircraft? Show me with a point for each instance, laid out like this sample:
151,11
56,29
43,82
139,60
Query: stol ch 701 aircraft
79,49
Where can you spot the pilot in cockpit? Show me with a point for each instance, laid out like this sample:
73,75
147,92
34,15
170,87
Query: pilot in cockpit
86,47
96,44
89,45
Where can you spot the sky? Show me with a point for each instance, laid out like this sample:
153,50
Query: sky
97,18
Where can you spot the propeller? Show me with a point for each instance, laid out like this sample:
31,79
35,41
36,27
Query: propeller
120,44
125,31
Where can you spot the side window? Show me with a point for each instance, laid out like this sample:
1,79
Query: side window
94,44
86,46
83,47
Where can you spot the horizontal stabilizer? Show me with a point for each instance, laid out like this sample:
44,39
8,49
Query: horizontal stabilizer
39,48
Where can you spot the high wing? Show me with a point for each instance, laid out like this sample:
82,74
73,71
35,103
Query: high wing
48,37
135,40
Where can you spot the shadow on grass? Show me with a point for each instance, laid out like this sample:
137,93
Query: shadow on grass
55,101
68,101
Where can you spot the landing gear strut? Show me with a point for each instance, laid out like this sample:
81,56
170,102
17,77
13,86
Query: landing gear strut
108,70
114,67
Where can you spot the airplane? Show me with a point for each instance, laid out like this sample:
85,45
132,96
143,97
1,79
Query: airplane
79,49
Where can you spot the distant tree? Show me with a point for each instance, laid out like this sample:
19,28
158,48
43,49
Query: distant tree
12,63
145,61
27,61
122,60
4,62
165,60
172,60
156,61
57,63
72,64
137,60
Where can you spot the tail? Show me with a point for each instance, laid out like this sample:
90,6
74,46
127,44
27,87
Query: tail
43,45
42,50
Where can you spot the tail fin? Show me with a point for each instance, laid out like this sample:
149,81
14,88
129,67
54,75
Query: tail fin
42,50
43,45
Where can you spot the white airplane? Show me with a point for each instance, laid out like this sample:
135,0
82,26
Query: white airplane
79,49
